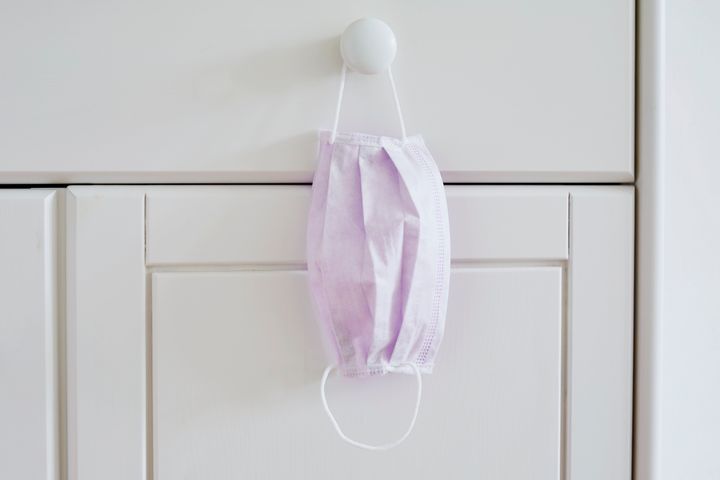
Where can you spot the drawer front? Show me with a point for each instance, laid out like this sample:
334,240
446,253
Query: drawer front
191,92
192,338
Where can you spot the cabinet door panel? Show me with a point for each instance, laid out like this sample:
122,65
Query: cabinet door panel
28,335
218,358
237,357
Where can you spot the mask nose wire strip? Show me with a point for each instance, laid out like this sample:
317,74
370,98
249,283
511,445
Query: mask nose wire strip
349,440
341,92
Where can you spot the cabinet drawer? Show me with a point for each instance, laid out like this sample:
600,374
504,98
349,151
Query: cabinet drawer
189,313
504,91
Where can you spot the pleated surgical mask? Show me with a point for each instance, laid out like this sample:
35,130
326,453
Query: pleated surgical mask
378,255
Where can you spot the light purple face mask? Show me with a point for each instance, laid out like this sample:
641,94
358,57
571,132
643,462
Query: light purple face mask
378,255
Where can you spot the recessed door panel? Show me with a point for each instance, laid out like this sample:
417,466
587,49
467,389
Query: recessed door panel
236,360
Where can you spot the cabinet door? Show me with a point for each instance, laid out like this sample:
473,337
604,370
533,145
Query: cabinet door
159,91
193,351
28,335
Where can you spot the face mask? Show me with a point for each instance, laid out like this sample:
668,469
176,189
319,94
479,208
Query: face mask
378,255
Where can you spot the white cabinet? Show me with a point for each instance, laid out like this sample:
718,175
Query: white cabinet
179,342
29,409
234,91
193,352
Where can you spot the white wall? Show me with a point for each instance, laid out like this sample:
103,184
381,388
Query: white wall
678,393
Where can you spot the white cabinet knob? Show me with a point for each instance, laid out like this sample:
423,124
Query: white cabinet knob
368,46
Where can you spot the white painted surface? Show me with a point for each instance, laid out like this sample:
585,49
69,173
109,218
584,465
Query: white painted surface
679,309
500,223
183,225
600,336
237,357
226,91
28,335
650,238
106,363
237,374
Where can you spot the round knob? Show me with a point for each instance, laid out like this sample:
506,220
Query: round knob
368,46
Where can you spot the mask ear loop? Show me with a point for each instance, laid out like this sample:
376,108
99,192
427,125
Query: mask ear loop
343,76
349,440
397,105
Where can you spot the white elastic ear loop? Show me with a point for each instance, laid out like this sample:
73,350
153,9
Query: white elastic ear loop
397,104
343,74
386,446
